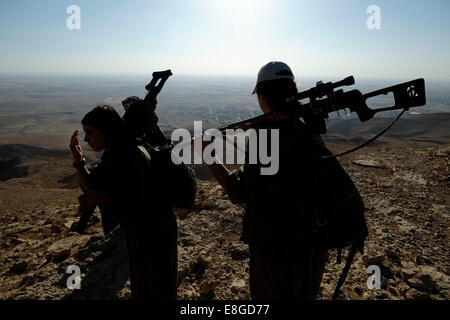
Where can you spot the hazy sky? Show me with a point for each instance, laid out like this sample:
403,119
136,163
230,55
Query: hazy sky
229,37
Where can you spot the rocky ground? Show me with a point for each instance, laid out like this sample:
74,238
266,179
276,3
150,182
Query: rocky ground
405,190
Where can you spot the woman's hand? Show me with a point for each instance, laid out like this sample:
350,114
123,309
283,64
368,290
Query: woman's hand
75,147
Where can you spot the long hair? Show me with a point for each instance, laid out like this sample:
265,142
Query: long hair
110,123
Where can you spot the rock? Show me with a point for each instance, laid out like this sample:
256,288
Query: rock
368,163
406,274
385,185
437,281
414,294
403,288
369,261
190,293
207,288
393,256
19,267
394,212
60,250
381,296
243,296
17,241
239,252
358,291
56,228
222,205
237,286
204,259
45,230
393,291
27,281
189,241
69,224
60,255
423,282
421,260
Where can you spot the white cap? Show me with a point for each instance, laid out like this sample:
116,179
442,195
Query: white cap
273,71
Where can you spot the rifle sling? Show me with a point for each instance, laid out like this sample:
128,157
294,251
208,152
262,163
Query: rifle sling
344,273
368,141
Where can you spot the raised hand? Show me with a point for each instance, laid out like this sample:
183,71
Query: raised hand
75,147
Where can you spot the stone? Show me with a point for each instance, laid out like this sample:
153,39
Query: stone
421,260
189,241
441,280
423,282
406,274
358,291
19,267
393,256
56,228
45,230
381,296
385,185
414,294
393,291
60,250
204,259
190,293
69,224
237,286
239,252
369,261
207,287
368,163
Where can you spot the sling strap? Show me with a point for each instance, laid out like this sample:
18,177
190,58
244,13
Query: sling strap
344,273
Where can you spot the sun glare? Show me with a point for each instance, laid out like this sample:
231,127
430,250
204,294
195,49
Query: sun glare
241,14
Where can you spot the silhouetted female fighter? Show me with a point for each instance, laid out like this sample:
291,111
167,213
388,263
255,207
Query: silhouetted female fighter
122,187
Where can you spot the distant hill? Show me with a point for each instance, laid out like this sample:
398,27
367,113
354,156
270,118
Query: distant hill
25,151
432,128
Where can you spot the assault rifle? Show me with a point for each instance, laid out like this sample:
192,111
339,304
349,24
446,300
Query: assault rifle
325,99
140,114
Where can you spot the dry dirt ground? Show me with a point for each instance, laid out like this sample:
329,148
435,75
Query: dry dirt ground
406,192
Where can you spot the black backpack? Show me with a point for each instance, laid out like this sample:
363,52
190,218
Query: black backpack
337,210
173,184
322,206
330,196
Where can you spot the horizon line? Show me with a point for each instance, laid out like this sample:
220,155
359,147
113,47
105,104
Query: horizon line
212,75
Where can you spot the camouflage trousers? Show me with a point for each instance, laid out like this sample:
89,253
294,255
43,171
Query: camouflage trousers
286,273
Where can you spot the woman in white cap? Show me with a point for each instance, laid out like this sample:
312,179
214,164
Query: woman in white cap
283,265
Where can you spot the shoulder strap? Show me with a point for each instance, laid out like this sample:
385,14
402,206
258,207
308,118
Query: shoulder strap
145,152
344,273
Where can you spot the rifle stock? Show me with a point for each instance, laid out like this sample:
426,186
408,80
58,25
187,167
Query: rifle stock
154,88
407,95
